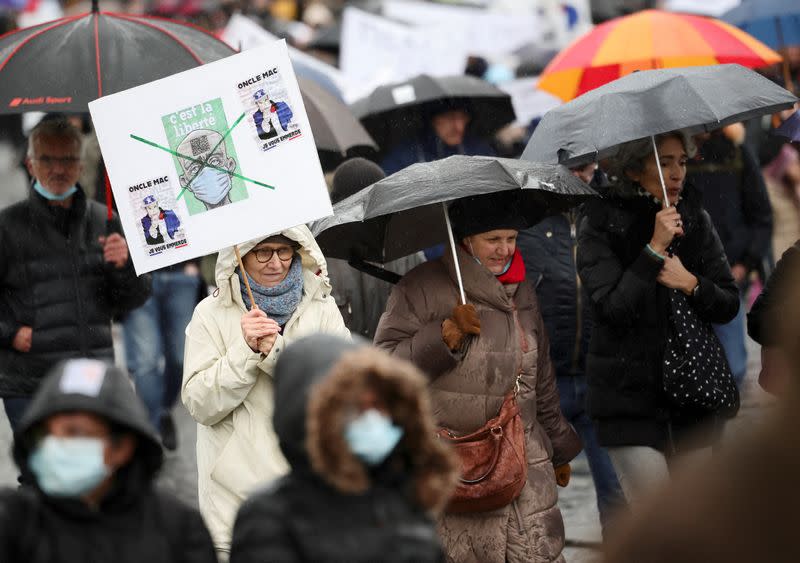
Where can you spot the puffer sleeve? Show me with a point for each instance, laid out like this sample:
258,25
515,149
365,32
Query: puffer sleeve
565,440
403,333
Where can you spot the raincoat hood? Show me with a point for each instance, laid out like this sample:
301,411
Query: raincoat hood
310,253
94,387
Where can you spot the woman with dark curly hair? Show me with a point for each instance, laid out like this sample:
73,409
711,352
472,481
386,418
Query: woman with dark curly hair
632,249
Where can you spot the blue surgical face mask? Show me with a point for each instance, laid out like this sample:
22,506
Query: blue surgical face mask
42,191
372,436
211,185
68,467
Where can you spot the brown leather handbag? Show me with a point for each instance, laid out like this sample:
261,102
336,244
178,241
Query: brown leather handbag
493,464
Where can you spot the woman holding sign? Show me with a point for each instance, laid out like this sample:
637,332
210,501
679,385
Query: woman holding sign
232,344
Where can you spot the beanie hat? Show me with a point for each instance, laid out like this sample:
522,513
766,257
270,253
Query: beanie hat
352,176
483,213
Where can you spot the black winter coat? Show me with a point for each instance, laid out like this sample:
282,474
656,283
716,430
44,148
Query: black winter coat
331,507
135,525
53,278
631,313
548,250
733,192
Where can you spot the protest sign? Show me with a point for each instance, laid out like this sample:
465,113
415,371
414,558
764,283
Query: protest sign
377,51
242,33
473,31
529,102
210,157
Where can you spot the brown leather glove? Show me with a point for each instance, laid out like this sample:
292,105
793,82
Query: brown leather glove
464,321
563,473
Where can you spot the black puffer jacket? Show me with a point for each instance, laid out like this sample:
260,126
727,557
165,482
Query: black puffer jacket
134,523
331,507
53,278
548,249
631,310
734,194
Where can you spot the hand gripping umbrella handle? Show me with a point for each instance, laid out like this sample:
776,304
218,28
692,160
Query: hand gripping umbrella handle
660,173
455,254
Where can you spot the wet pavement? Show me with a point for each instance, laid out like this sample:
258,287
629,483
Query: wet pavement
578,502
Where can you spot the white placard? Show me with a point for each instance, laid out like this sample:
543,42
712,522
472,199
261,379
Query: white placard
529,102
376,51
474,31
706,8
242,34
210,157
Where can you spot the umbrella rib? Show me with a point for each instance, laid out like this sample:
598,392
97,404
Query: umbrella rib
183,24
171,35
57,23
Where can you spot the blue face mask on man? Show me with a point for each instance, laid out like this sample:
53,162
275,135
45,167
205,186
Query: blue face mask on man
372,436
211,185
42,191
68,467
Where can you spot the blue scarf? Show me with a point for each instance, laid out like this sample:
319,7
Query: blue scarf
277,302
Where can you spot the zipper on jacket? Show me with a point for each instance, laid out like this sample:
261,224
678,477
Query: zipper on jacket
573,233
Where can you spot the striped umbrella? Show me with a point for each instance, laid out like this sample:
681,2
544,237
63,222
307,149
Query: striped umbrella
646,40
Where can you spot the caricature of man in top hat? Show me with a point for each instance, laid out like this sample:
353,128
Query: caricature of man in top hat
270,117
158,221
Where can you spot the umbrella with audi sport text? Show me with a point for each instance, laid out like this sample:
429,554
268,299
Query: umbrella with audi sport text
64,64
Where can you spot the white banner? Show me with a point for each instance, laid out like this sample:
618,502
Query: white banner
529,102
377,51
242,34
474,31
210,157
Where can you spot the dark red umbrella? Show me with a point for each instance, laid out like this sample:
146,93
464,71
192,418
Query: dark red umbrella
62,65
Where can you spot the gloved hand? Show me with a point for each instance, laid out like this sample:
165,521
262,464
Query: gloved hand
563,473
464,321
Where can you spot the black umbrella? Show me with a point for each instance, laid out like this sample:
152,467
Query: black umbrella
650,102
397,112
64,64
337,133
402,213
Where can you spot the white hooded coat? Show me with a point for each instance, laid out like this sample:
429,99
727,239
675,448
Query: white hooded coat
228,388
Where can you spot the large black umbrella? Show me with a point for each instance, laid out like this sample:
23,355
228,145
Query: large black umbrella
64,64
337,133
397,112
403,213
650,102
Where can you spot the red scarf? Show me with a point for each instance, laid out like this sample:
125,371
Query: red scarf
516,272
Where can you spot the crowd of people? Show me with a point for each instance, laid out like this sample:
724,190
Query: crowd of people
333,408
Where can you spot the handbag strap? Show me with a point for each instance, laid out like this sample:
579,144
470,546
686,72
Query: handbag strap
497,436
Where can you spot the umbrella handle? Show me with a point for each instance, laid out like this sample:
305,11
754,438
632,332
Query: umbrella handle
253,305
660,173
455,254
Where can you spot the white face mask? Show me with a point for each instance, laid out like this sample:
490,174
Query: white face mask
68,467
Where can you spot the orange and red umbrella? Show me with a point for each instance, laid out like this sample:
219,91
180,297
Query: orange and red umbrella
646,40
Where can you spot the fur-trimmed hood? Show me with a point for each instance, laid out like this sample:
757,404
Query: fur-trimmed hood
322,378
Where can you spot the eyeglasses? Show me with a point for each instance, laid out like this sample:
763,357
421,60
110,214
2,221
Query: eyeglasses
264,255
50,161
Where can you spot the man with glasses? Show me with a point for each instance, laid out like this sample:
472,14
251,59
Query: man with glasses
64,273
